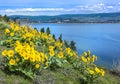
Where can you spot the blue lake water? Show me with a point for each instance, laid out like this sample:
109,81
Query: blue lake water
102,39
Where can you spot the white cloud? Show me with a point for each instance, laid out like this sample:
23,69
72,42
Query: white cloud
109,6
93,8
32,10
96,8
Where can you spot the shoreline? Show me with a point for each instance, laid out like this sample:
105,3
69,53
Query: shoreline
69,23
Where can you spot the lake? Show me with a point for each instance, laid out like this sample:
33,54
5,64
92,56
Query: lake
102,39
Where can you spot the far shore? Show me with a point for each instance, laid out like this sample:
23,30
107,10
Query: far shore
22,23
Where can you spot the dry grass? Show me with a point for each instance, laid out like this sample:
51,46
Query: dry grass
116,66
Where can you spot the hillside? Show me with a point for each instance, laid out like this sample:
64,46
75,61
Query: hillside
70,18
66,74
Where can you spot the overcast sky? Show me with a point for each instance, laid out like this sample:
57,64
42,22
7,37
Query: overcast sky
57,7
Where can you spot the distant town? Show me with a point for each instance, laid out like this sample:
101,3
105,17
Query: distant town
69,18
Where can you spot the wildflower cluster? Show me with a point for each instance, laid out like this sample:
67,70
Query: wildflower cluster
90,71
30,51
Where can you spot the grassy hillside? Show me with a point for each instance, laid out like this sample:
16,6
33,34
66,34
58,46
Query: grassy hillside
65,75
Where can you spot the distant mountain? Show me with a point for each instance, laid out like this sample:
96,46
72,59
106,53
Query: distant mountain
70,18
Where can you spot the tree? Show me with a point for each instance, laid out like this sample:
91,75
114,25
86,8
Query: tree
60,38
6,18
54,37
66,43
72,45
36,29
48,31
0,17
42,30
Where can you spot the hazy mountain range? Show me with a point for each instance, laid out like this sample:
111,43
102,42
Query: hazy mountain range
70,18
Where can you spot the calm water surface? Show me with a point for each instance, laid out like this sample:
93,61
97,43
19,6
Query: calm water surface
102,39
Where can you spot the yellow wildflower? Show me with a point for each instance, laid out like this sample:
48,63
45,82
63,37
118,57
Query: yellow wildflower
4,53
60,49
97,69
8,41
22,53
89,52
51,47
71,54
93,58
102,72
42,55
11,34
44,36
26,57
88,58
46,64
32,58
68,50
10,53
51,53
7,31
17,43
31,43
16,28
91,72
85,54
38,58
60,54
24,37
42,60
37,66
46,57
12,62
84,59
17,59
18,49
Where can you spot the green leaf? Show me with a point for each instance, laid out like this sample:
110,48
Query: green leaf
38,43
65,61
59,63
2,42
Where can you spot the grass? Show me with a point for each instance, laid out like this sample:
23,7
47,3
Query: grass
109,78
65,75
12,79
59,76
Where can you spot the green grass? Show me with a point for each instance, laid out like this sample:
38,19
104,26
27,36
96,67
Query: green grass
13,79
59,76
65,75
109,78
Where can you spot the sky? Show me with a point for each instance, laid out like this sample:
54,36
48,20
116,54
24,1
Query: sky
57,7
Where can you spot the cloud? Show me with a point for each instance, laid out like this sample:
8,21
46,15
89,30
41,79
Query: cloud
96,8
32,10
110,7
